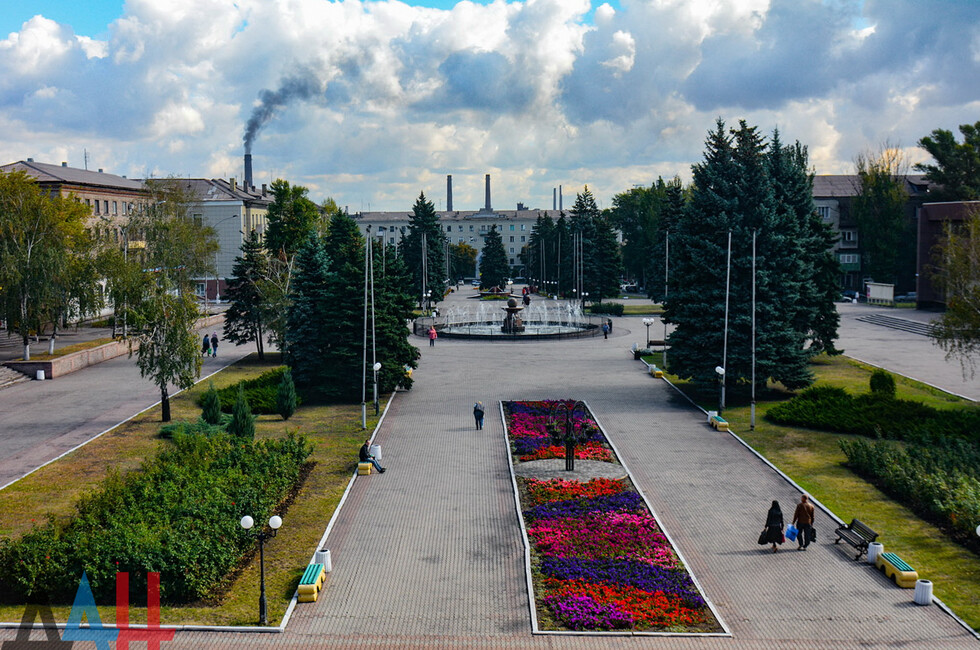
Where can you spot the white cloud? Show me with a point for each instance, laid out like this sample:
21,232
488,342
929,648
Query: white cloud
373,101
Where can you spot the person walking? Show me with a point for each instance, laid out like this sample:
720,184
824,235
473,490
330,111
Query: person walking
206,346
609,322
605,330
433,335
478,415
365,455
214,344
773,532
803,520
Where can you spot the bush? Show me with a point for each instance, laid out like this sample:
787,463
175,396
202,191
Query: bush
199,428
178,515
260,392
211,406
611,308
242,423
882,383
286,396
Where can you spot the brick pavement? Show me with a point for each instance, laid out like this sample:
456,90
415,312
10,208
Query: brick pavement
429,555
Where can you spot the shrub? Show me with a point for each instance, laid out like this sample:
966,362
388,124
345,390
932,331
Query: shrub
177,515
199,428
242,423
260,392
612,308
211,406
882,383
286,396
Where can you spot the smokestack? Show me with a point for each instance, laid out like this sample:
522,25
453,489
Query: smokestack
559,198
248,172
449,192
554,198
488,208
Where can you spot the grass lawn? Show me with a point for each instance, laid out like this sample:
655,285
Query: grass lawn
336,434
69,349
634,309
814,460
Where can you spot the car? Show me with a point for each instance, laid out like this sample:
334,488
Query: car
911,296
849,295
475,283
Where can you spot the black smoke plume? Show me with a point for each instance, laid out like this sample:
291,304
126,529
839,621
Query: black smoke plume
292,88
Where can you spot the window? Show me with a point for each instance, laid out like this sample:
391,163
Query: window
848,235
115,207
471,228
824,212
512,251
449,228
512,261
523,238
97,207
462,239
461,229
512,227
483,228
512,239
523,226
849,258
391,240
105,205
472,239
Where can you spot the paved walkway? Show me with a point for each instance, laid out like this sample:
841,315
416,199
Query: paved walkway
430,554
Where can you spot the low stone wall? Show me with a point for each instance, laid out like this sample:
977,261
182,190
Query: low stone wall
69,363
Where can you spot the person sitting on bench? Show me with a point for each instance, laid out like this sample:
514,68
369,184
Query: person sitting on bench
366,457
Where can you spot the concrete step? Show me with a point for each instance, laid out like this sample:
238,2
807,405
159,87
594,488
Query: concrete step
903,324
10,377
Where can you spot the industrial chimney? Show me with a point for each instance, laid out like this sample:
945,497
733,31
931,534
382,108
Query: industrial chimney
248,172
487,207
449,192
559,199
554,198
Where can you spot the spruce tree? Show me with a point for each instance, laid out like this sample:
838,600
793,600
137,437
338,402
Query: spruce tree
672,207
395,307
211,406
494,269
309,321
425,220
245,317
286,396
242,423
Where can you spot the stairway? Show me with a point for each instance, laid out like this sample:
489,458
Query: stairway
10,377
903,324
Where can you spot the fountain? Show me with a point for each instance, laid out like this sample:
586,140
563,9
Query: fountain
512,323
547,319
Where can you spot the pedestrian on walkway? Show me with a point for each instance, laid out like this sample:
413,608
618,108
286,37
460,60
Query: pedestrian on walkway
365,455
803,520
478,415
773,532
609,322
433,335
605,330
214,344
206,346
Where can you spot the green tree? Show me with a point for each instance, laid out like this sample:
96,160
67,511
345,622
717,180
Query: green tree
247,311
637,214
494,269
957,168
291,218
879,209
175,250
395,306
242,423
600,265
286,396
672,208
462,260
211,406
424,220
309,338
37,237
957,273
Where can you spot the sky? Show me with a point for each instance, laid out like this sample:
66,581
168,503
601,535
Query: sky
371,103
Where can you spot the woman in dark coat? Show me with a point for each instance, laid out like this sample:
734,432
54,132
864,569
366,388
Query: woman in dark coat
774,526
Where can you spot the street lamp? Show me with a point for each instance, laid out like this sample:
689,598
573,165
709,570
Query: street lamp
274,523
376,367
721,380
428,300
648,322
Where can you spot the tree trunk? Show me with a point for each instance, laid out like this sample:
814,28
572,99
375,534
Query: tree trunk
54,334
260,345
27,347
165,404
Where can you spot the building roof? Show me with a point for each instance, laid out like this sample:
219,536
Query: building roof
46,173
843,185
462,215
218,189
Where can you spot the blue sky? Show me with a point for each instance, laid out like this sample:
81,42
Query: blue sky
372,102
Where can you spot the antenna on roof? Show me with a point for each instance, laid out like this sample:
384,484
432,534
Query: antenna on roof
85,158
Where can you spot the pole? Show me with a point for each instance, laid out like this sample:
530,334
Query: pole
666,284
364,353
752,406
724,359
425,270
374,343
262,604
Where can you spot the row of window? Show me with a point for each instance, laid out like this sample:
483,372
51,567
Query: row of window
485,228
102,206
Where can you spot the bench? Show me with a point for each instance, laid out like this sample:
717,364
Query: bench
897,569
856,534
719,423
363,469
656,372
310,584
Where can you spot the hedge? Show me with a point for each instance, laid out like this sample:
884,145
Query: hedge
832,409
260,393
178,515
612,308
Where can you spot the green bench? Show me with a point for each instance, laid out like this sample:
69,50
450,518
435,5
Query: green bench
897,569
310,583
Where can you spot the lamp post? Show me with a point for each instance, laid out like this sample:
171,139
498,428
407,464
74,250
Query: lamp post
376,367
721,380
562,429
274,523
648,322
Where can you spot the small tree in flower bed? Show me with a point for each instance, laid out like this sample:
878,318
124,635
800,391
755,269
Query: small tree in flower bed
528,429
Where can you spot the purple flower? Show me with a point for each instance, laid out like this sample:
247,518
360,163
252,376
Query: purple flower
528,446
584,613
622,502
641,575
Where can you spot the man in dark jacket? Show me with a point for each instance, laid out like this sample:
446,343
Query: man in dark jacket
366,457
803,519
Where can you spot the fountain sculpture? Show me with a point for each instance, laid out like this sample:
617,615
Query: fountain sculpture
512,322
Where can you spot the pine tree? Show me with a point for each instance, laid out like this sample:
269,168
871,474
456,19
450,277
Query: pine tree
286,396
242,423
211,406
672,208
245,317
493,265
600,265
395,307
309,321
425,220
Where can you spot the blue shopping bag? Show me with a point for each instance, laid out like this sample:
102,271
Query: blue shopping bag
791,532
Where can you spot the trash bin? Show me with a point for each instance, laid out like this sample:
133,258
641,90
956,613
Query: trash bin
323,557
375,451
40,375
712,414
874,550
923,592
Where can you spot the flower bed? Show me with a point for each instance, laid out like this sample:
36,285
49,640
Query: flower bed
599,560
